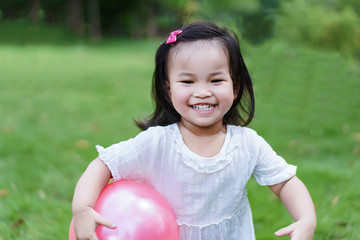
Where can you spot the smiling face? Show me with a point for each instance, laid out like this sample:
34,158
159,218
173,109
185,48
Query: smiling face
200,85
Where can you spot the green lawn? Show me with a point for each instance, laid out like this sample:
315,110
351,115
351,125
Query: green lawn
57,102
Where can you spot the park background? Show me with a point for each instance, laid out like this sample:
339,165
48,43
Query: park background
75,73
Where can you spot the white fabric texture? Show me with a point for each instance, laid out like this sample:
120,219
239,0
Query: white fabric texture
208,195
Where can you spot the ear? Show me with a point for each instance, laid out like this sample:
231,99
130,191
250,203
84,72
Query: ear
167,84
236,92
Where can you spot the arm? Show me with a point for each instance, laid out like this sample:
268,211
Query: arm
87,191
298,203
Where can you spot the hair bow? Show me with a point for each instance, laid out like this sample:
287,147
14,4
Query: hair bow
172,37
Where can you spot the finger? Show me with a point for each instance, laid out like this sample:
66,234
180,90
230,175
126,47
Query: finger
105,222
285,231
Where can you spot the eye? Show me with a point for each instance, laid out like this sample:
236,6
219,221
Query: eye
187,81
216,81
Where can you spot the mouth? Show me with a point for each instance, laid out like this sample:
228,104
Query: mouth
203,107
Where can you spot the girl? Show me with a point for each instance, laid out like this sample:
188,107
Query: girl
195,149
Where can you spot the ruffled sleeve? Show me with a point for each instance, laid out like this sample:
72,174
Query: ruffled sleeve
269,169
131,159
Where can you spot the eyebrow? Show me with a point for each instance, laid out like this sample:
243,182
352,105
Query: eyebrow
185,74
189,74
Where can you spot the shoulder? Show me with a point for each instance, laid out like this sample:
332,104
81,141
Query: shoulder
159,129
244,132
247,137
157,132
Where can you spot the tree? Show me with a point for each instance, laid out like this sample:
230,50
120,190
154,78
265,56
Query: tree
34,11
151,26
75,17
94,20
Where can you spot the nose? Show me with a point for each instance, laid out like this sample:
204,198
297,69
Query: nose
202,93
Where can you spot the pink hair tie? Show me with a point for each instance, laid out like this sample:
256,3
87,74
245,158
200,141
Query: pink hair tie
172,37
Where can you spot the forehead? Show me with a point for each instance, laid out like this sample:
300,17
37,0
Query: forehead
197,50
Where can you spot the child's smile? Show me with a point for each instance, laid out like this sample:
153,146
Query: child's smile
203,108
200,85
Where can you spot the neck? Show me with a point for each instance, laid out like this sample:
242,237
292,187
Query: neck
204,141
202,131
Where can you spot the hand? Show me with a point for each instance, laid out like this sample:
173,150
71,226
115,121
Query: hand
86,221
301,230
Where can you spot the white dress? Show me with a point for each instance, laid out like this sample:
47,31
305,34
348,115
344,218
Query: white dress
208,195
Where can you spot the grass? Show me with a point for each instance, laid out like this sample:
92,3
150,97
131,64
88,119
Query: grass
309,110
57,102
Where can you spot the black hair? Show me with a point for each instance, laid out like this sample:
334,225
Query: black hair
243,107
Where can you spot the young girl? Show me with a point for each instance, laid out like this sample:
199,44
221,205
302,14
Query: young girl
195,149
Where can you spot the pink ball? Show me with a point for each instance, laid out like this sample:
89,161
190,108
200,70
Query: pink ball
138,211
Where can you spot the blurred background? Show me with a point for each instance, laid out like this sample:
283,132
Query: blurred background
75,73
325,23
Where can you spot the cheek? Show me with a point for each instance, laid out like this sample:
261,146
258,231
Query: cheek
179,96
226,97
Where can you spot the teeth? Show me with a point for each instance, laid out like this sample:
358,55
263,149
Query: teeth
203,107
